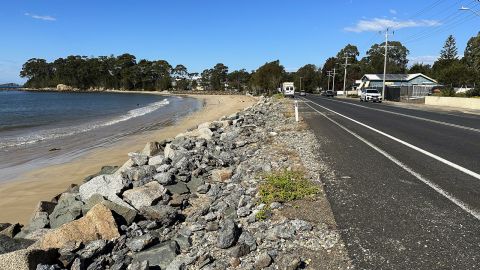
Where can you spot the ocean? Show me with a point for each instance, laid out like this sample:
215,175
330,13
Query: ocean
41,128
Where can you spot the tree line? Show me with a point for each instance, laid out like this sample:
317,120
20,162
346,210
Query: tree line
126,73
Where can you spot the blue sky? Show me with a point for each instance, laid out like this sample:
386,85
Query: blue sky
240,34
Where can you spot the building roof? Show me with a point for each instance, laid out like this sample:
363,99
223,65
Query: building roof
396,77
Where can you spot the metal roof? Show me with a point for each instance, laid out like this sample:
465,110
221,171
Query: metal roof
396,77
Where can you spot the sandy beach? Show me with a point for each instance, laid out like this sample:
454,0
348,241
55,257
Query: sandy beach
18,198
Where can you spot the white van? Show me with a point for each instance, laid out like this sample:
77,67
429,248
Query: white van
288,89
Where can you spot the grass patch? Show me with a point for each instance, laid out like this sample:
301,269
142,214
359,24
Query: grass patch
278,96
285,186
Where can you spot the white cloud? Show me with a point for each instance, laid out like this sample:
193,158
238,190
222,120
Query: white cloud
39,17
378,24
426,59
393,11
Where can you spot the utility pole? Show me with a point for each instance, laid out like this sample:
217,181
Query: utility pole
333,85
329,74
345,75
385,63
300,84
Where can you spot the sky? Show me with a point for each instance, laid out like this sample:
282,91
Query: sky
240,34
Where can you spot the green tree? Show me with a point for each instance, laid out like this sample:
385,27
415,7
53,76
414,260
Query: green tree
397,58
267,78
449,51
420,68
472,56
311,78
218,77
239,79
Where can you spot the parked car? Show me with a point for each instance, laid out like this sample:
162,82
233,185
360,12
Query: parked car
302,93
371,95
329,93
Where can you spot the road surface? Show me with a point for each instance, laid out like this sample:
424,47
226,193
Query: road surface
406,191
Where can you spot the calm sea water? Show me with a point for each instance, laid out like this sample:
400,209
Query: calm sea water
32,123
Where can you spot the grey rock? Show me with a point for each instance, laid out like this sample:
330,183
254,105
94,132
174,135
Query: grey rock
146,195
27,258
32,234
160,255
203,189
3,226
143,265
48,267
211,226
78,264
163,214
243,211
109,186
178,188
240,250
165,178
184,242
139,243
275,205
156,160
39,220
163,168
248,239
12,230
92,249
103,170
263,261
127,212
44,206
8,244
301,225
284,231
67,209
194,183
138,159
228,234
141,173
152,149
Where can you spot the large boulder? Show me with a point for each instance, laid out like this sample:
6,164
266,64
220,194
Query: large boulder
64,87
145,195
67,209
98,223
11,230
108,186
27,259
160,255
228,234
138,159
8,244
128,213
152,149
164,214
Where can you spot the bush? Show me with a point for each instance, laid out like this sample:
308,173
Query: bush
286,186
447,92
473,92
278,96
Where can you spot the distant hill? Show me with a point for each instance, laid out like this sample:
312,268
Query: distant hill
10,85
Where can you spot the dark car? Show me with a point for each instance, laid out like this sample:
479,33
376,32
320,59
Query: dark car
329,93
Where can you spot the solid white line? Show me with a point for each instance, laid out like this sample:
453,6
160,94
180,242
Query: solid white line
402,165
447,162
411,116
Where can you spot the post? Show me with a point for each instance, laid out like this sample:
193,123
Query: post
385,64
345,75
329,75
334,72
300,84
296,110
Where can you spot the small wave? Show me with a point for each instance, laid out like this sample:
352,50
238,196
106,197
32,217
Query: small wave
69,131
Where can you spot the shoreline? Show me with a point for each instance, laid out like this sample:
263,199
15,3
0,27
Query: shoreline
21,195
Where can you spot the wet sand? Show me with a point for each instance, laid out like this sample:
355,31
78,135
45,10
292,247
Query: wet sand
18,198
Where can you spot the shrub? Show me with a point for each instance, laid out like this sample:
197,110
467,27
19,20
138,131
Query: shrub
286,186
447,92
473,92
278,96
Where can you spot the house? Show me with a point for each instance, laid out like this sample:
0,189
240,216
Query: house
396,80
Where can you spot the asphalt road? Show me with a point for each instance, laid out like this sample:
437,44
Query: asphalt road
406,191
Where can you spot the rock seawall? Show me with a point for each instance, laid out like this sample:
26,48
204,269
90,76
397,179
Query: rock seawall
190,202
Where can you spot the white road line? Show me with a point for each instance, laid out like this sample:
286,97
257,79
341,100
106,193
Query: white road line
411,116
444,161
432,185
